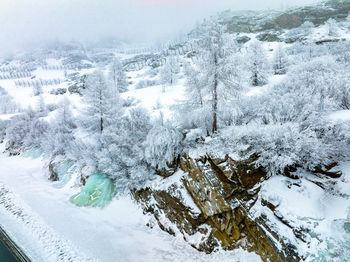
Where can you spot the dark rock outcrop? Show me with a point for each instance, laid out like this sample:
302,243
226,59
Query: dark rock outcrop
53,174
223,191
277,21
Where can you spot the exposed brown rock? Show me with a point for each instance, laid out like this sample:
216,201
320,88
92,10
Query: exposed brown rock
288,21
327,171
53,173
224,190
172,168
271,206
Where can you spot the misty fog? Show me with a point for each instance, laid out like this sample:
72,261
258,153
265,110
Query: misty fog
26,23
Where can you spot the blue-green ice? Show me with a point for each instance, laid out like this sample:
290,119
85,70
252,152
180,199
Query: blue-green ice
97,192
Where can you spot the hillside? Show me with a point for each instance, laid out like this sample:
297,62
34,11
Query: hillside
230,145
254,22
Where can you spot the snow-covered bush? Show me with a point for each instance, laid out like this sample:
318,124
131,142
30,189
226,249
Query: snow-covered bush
7,104
3,125
146,83
25,131
341,51
248,109
162,145
332,27
305,51
316,86
300,33
317,143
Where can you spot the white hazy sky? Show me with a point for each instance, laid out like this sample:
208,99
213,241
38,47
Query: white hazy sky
25,22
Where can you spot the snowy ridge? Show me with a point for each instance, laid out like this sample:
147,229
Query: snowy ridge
54,246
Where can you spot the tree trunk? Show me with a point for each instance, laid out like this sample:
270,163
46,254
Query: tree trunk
101,113
215,95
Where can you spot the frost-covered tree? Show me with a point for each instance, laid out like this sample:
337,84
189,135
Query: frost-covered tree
122,156
60,137
257,64
280,61
197,107
17,130
101,100
38,126
25,131
41,107
211,45
294,128
117,76
233,78
37,88
309,50
209,74
103,108
169,71
332,27
301,33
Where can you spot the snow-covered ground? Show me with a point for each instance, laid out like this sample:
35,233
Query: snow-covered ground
157,100
48,227
313,211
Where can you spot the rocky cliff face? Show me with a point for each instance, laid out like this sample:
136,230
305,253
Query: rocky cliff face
210,202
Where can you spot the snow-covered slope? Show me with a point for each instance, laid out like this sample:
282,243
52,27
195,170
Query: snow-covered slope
41,220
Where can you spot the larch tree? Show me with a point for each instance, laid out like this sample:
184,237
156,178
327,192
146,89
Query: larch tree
197,105
102,106
210,75
117,76
37,88
211,49
122,156
257,64
169,71
280,61
60,136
